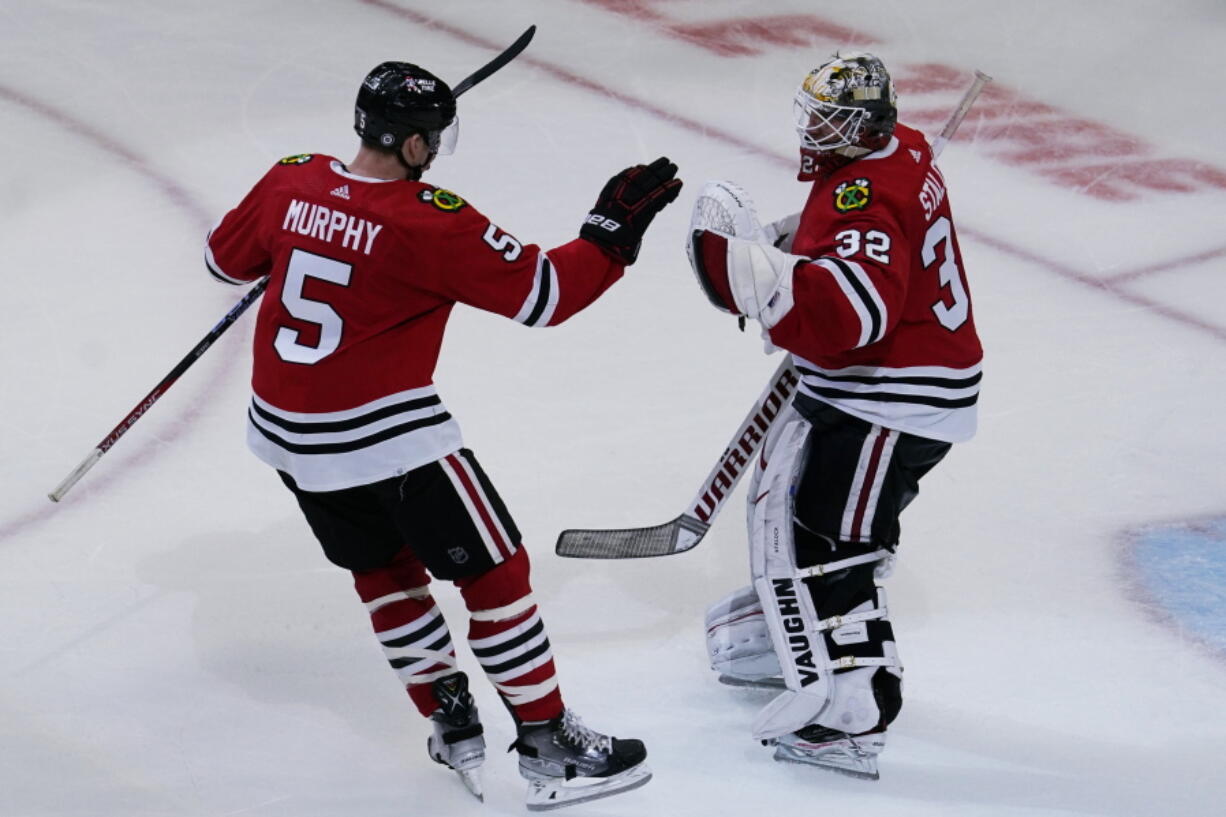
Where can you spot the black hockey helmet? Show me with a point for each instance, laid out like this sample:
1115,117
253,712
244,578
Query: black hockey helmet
399,99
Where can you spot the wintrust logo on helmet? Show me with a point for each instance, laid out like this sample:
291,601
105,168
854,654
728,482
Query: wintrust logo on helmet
419,85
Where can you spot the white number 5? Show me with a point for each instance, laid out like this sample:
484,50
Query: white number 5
304,265
504,243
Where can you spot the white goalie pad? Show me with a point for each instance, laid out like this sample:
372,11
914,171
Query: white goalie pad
738,641
766,454
726,208
734,258
814,694
761,280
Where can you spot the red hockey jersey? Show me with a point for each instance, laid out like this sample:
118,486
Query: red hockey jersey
881,326
363,274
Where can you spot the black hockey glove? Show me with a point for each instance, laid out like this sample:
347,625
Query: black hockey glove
626,206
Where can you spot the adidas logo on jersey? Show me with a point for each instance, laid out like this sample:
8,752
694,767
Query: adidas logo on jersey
341,192
916,155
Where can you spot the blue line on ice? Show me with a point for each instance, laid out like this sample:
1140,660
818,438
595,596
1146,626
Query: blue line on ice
1182,568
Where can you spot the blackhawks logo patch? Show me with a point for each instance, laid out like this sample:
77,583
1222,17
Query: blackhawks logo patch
444,200
854,195
296,159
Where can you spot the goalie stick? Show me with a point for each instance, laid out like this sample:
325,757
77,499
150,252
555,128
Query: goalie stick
687,530
141,408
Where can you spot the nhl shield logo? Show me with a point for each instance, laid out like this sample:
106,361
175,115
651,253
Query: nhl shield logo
854,195
458,555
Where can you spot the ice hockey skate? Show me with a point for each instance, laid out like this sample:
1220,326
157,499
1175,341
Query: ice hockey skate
458,741
852,755
566,763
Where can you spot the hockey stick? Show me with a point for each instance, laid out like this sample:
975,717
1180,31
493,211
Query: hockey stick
161,388
686,531
91,459
968,99
511,52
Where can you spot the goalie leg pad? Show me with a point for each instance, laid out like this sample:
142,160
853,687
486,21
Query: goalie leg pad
766,455
827,621
738,641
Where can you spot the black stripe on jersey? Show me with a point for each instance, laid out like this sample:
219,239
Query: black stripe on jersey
940,382
221,277
523,638
216,273
416,635
874,314
350,424
888,397
535,652
437,646
352,445
542,295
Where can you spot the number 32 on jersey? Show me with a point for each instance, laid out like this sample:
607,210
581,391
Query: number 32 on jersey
875,245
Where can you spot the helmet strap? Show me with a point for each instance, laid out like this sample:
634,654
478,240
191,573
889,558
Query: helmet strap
413,172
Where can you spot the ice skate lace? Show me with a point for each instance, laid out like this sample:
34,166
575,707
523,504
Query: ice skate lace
582,736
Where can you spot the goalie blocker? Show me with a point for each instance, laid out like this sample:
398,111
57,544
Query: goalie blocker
744,276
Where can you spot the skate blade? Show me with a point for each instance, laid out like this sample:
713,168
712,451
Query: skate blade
544,796
471,779
860,769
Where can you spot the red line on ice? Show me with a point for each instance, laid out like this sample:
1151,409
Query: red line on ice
181,198
1104,285
1167,266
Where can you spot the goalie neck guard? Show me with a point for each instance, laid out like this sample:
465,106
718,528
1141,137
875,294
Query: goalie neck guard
844,109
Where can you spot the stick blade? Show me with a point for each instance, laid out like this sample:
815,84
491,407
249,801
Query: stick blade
512,51
676,536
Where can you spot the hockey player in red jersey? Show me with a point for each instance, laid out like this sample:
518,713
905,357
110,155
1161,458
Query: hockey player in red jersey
865,288
365,263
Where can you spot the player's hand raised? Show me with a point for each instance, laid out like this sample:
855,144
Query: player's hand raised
626,206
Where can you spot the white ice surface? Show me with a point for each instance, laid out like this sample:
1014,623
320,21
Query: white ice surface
173,642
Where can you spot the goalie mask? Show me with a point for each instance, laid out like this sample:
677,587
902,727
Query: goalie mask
844,109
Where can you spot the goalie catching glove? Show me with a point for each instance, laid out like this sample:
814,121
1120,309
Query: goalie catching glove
626,206
733,258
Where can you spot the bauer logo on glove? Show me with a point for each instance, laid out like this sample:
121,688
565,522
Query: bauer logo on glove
603,223
626,207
